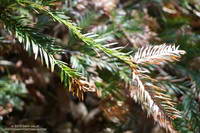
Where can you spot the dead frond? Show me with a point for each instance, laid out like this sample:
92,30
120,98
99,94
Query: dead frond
153,108
165,101
157,54
153,98
79,87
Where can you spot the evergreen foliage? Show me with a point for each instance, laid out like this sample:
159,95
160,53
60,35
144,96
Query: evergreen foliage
95,59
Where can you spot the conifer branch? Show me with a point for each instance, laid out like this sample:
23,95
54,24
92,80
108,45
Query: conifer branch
157,54
40,45
86,38
142,96
161,112
144,55
93,43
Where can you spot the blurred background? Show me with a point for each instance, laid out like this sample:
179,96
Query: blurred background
32,95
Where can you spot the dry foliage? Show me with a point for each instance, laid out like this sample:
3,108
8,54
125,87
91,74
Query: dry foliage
157,54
